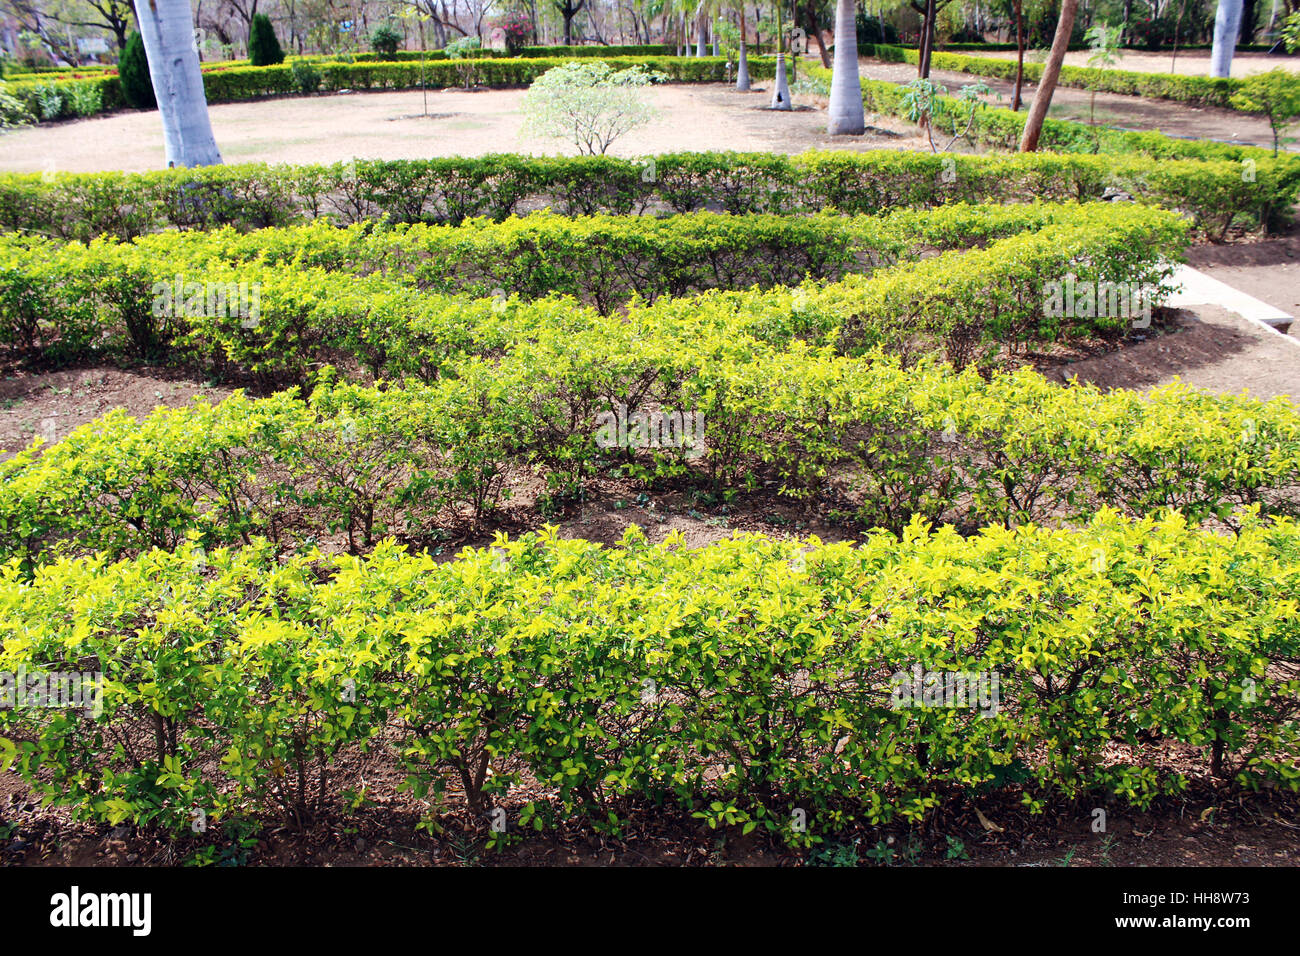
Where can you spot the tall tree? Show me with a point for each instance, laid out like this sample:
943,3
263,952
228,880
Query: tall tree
167,28
1051,73
568,9
1227,21
844,114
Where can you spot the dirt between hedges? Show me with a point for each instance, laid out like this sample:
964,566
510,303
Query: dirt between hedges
1204,827
1207,827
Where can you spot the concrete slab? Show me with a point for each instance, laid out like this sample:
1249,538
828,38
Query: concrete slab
1197,288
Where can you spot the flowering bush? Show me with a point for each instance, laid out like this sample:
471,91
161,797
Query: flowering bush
517,29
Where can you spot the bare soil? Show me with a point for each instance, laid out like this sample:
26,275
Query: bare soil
1186,63
1210,348
1204,827
51,404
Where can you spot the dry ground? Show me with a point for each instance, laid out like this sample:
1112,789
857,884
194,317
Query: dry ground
1195,63
1109,109
334,128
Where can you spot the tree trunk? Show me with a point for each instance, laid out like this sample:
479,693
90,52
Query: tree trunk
742,65
933,7
1246,31
844,115
1017,94
701,29
167,28
814,31
781,85
1227,21
1051,72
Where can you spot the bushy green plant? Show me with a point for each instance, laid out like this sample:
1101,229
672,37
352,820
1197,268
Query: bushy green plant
385,39
641,672
85,100
12,111
49,99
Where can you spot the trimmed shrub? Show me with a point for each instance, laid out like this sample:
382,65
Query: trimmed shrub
263,46
133,73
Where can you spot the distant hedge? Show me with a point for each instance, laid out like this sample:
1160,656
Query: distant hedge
1197,90
235,83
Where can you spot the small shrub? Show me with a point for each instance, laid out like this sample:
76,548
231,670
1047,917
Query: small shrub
12,111
1276,94
385,40
85,99
305,76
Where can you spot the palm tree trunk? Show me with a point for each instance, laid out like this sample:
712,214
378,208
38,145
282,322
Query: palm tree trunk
1227,21
780,86
701,30
1051,72
742,66
844,115
167,29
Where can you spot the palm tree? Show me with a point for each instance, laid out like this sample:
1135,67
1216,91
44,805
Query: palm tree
742,62
844,115
781,85
167,29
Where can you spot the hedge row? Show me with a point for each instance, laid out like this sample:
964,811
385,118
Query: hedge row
239,83
1198,90
999,128
604,261
876,445
974,306
1251,190
738,682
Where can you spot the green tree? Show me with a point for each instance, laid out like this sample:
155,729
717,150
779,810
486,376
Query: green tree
263,47
588,103
385,40
133,73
